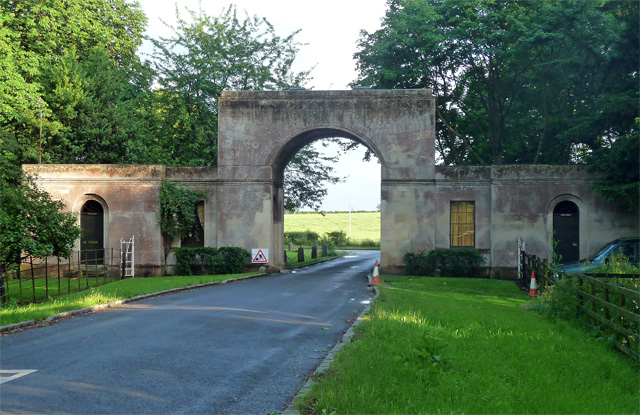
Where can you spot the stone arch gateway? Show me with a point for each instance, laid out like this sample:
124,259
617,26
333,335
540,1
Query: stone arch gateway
424,206
259,132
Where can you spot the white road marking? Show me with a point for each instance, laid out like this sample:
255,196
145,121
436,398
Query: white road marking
9,375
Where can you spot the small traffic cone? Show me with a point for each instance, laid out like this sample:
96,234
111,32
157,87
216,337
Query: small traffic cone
375,277
533,290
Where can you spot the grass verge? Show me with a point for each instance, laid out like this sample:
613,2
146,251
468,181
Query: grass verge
118,290
467,346
292,258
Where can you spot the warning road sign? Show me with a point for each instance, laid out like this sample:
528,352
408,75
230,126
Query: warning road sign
260,256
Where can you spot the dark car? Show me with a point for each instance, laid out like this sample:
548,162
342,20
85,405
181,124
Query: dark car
629,247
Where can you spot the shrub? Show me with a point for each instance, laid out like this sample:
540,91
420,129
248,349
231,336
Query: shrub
451,263
302,238
617,264
337,238
224,260
367,243
560,301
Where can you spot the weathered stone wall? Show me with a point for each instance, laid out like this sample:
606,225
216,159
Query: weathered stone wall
259,132
129,197
517,201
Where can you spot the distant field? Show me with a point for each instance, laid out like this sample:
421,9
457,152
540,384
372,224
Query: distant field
364,225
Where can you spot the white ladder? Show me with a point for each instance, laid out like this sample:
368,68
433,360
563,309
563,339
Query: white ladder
127,257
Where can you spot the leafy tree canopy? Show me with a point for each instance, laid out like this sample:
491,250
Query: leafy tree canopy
204,56
31,223
69,74
545,81
65,69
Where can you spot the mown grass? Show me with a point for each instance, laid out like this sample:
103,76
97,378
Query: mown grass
467,346
364,225
23,291
113,291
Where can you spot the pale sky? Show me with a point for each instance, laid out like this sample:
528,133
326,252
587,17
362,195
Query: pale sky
330,28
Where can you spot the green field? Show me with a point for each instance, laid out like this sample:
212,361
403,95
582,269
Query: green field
364,225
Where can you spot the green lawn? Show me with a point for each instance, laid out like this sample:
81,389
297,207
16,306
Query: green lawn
364,225
467,346
113,291
23,291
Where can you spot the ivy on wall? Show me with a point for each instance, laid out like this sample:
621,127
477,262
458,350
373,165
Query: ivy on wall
177,209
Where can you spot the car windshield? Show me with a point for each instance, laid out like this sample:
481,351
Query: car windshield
599,252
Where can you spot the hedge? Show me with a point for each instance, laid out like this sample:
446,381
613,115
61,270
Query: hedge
451,263
210,261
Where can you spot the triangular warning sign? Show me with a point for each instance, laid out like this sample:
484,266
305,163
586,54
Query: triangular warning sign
260,258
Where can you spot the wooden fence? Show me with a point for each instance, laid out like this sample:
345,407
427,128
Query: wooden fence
41,279
530,264
613,309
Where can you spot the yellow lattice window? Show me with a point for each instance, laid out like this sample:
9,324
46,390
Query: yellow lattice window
463,224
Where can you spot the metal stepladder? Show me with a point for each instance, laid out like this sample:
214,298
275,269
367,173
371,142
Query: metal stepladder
127,258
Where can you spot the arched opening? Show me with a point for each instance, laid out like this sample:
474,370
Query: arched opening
349,211
92,225
260,131
566,231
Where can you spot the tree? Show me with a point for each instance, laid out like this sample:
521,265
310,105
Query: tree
48,49
620,166
32,224
515,81
304,179
207,55
202,58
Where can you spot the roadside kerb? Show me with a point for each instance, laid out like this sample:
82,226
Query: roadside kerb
329,358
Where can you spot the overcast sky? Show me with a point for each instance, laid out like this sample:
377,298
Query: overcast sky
330,29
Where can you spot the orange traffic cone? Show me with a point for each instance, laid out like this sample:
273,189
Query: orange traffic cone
533,290
375,277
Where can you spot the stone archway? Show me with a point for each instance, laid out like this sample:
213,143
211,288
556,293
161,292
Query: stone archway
260,131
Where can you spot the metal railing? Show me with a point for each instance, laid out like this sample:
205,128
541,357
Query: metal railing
37,280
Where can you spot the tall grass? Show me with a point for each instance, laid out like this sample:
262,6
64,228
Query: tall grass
467,346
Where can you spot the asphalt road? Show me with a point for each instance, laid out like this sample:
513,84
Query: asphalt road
239,348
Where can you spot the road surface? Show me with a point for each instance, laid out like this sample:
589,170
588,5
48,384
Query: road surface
238,348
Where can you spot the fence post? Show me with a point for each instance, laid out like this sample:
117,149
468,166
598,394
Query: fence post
314,252
301,254
3,294
623,304
86,270
594,306
33,279
79,270
19,274
59,283
285,256
69,261
124,262
46,278
325,250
